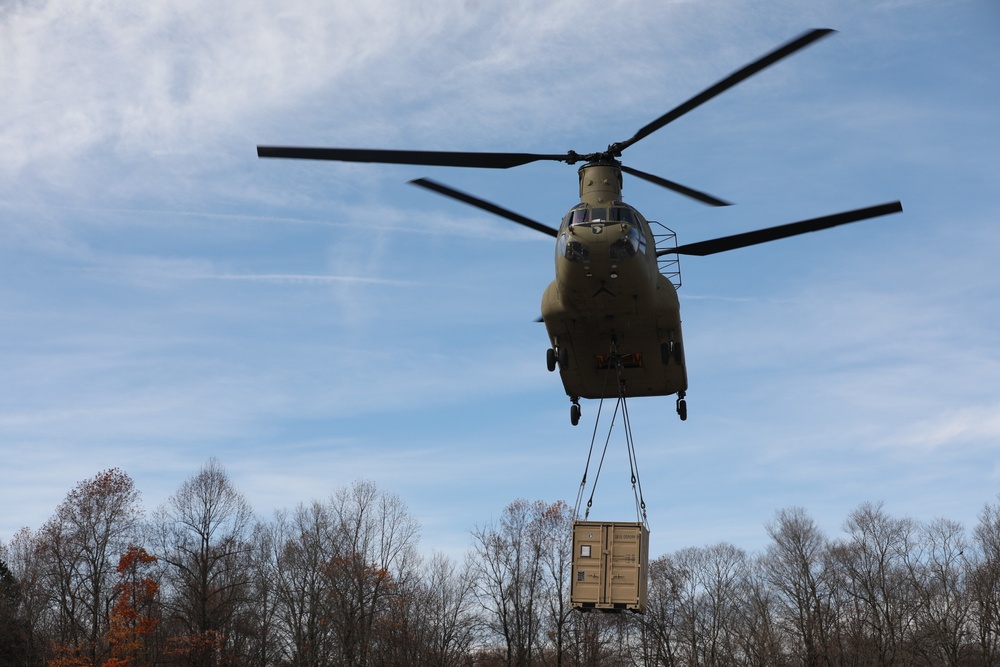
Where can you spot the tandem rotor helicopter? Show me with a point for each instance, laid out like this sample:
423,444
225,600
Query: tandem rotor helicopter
611,306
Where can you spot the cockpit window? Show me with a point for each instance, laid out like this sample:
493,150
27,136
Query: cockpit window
599,215
584,215
622,215
576,216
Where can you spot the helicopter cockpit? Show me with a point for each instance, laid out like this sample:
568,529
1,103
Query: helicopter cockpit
630,241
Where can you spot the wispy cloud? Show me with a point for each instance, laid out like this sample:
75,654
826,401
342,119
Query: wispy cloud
165,295
974,425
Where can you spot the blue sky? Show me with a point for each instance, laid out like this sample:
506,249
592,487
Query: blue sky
166,296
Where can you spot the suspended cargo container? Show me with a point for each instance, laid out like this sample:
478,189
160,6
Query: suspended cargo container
610,566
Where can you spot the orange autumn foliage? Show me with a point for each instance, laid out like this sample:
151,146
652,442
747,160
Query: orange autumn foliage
129,627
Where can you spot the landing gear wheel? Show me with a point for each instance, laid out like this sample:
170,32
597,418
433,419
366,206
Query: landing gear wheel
682,409
563,354
574,414
550,359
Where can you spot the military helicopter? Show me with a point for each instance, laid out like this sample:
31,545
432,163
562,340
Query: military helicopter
611,308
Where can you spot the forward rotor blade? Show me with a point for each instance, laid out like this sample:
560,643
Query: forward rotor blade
427,158
713,246
726,83
677,187
485,205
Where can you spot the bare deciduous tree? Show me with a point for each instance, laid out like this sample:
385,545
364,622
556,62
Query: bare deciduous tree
33,597
795,567
202,537
302,546
760,638
554,527
985,584
663,625
872,562
374,555
507,556
447,609
938,569
338,582
79,548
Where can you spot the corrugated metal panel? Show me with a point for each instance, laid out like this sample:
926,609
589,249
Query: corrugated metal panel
609,566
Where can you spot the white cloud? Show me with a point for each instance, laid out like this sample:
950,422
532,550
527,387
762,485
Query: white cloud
165,295
975,426
168,78
136,78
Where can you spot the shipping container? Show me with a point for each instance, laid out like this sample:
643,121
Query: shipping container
610,566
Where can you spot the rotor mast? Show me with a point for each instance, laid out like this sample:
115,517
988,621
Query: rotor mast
600,182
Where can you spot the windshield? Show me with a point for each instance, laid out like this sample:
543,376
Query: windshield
583,214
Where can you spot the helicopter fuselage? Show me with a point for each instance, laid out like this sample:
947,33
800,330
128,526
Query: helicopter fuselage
612,318
609,313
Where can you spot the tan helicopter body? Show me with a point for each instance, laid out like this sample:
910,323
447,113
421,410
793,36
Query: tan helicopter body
609,309
612,317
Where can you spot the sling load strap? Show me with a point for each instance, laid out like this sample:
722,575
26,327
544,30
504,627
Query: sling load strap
593,438
640,502
597,476
622,404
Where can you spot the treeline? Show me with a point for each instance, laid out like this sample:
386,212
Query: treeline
202,581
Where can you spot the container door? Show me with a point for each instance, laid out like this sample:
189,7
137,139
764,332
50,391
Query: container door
625,546
588,564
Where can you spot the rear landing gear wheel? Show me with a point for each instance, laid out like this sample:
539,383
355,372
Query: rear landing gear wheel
550,359
574,414
682,409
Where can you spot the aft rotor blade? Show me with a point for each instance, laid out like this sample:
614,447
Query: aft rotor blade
426,158
677,187
485,205
727,83
713,246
